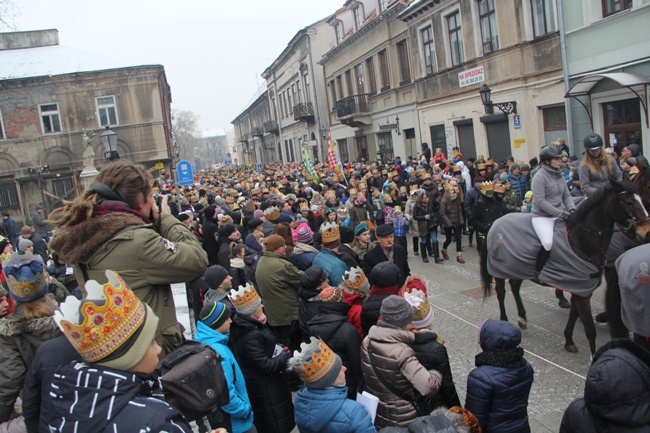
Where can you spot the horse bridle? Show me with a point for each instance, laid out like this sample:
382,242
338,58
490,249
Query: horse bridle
631,220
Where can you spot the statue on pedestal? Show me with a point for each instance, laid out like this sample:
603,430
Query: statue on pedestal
89,151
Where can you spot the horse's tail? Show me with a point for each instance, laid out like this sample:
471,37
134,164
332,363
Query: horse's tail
486,278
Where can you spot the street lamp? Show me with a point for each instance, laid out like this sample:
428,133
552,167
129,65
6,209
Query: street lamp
38,173
508,107
109,139
177,150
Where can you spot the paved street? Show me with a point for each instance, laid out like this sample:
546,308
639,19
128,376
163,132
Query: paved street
459,309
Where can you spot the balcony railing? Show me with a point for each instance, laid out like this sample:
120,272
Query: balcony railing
303,111
271,127
355,104
256,131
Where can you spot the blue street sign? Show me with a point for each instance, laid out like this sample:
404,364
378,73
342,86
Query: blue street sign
228,162
258,167
185,173
517,121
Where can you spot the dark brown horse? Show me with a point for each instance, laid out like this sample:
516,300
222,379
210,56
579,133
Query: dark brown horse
589,233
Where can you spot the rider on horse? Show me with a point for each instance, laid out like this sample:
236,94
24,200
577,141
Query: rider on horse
551,200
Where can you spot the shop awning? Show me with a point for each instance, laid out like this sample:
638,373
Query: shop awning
635,83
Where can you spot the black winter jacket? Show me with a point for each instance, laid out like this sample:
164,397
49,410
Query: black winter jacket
484,213
617,392
308,309
433,356
370,311
344,340
99,399
348,256
210,245
266,382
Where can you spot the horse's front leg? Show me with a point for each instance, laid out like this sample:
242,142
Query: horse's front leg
583,305
515,286
500,288
569,345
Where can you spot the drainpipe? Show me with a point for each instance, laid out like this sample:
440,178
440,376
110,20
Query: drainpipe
565,72
312,77
275,113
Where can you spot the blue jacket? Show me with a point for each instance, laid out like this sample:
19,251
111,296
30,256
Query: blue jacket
239,408
334,266
519,184
330,411
498,396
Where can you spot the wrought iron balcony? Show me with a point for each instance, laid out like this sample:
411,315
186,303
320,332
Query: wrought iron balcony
303,111
256,131
355,104
271,126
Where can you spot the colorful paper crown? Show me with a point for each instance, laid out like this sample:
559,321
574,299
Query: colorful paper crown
102,323
393,174
487,186
480,166
355,280
499,188
422,312
397,209
363,185
426,176
342,211
413,188
353,191
330,194
272,213
245,299
316,364
330,233
24,276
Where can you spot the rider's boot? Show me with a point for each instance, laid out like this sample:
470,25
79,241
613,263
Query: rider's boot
542,257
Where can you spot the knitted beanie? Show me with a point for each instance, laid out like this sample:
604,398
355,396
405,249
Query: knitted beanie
23,245
258,214
214,276
396,311
304,234
274,242
214,314
316,364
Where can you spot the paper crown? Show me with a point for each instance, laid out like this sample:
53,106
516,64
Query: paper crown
330,233
342,211
480,166
353,191
416,282
24,276
363,185
316,364
422,313
331,294
393,174
487,186
426,176
413,188
245,299
397,209
272,213
499,188
355,280
102,323
330,194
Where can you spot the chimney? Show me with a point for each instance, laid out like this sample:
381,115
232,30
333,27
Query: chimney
29,39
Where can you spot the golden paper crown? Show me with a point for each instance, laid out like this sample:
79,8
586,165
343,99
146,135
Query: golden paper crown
480,166
487,186
245,299
353,191
397,209
317,360
426,176
393,174
342,211
94,330
355,280
330,194
499,188
272,213
330,232
363,185
413,188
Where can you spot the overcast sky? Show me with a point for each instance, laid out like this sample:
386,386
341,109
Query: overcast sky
214,51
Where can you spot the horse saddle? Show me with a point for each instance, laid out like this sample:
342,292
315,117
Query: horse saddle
512,250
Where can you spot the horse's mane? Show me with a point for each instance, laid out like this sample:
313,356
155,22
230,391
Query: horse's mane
589,202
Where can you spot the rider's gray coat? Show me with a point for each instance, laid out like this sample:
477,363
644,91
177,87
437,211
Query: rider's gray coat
551,195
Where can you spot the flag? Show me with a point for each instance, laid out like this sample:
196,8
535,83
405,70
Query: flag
333,159
309,165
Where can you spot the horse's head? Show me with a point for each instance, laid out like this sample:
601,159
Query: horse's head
629,213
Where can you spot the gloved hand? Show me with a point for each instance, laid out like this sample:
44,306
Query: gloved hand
427,217
566,215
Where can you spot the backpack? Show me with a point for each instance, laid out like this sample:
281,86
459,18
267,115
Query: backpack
193,380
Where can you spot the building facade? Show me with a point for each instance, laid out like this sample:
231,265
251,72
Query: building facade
607,70
371,91
513,48
54,105
255,135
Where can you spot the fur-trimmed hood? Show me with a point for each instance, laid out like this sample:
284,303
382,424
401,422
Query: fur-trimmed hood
76,243
43,328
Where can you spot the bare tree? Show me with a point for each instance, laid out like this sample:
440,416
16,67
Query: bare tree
184,131
8,13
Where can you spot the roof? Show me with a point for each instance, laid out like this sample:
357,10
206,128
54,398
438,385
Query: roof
55,60
624,79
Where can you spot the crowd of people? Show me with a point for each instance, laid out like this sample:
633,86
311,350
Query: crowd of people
299,278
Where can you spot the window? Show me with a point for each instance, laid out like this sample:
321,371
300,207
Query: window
370,66
488,20
383,70
385,140
402,56
358,76
106,111
348,82
382,5
429,50
343,150
64,187
9,196
554,118
50,118
543,17
362,147
611,7
333,93
2,128
339,85
357,18
455,38
337,33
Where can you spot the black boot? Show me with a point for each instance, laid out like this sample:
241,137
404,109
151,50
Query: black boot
542,257
416,244
424,254
436,253
429,247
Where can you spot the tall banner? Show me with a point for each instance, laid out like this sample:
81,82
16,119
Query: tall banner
333,159
309,165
